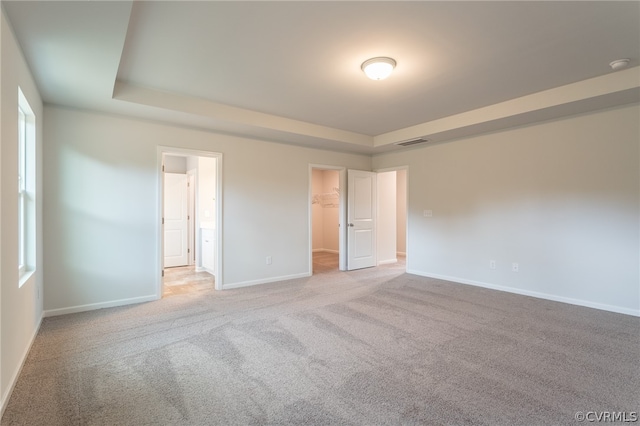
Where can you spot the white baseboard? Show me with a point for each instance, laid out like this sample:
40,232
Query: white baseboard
93,306
264,281
16,374
199,269
384,262
546,296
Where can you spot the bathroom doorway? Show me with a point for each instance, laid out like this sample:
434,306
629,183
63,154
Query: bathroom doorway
189,223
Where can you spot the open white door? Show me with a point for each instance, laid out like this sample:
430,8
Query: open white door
361,219
175,220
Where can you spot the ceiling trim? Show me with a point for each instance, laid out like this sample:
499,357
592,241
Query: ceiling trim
621,87
220,112
618,88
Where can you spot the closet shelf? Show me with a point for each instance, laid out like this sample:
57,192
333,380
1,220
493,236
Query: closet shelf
327,199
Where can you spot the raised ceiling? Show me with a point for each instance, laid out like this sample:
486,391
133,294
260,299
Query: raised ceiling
290,71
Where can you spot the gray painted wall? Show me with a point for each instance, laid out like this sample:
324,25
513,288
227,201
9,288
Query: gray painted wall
20,307
101,185
560,198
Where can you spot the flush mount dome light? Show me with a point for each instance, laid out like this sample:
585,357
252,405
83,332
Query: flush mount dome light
378,68
619,64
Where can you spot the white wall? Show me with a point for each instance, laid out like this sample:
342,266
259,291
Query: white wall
175,164
386,238
20,307
192,164
101,201
317,215
401,212
325,217
207,189
331,218
561,198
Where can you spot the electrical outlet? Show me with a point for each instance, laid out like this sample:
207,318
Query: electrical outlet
492,264
268,260
515,267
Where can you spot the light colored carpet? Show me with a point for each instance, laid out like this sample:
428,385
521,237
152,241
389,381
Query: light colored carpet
369,347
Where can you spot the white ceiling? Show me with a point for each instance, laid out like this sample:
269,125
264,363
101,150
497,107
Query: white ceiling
290,71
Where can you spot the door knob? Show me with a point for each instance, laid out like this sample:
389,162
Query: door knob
351,224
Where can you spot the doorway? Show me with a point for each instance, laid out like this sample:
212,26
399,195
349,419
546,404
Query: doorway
177,213
326,213
391,201
325,204
189,221
392,216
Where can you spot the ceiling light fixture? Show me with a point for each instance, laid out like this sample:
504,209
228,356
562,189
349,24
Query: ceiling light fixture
619,63
378,68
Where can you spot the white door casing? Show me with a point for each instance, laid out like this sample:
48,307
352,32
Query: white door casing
361,219
191,215
175,220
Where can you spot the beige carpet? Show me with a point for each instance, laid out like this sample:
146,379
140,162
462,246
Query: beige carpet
370,347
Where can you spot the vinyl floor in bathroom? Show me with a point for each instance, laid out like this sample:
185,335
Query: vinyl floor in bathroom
185,279
324,262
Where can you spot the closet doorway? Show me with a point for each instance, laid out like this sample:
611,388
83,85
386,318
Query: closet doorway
326,213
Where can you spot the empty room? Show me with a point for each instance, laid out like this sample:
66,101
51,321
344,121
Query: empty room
346,213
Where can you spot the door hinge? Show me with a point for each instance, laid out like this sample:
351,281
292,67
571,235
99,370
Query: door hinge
188,250
163,272
163,220
163,167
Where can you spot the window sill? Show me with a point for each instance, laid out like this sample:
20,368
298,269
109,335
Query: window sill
25,277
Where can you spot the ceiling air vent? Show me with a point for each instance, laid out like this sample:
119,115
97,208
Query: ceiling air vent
412,142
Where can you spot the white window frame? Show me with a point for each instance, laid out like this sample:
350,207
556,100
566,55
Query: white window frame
22,187
26,189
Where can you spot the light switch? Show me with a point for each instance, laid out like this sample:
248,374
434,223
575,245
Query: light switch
428,213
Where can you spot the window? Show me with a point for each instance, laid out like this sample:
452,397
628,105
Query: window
26,188
22,187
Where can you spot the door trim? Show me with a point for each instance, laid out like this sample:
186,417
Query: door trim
168,150
191,223
342,215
